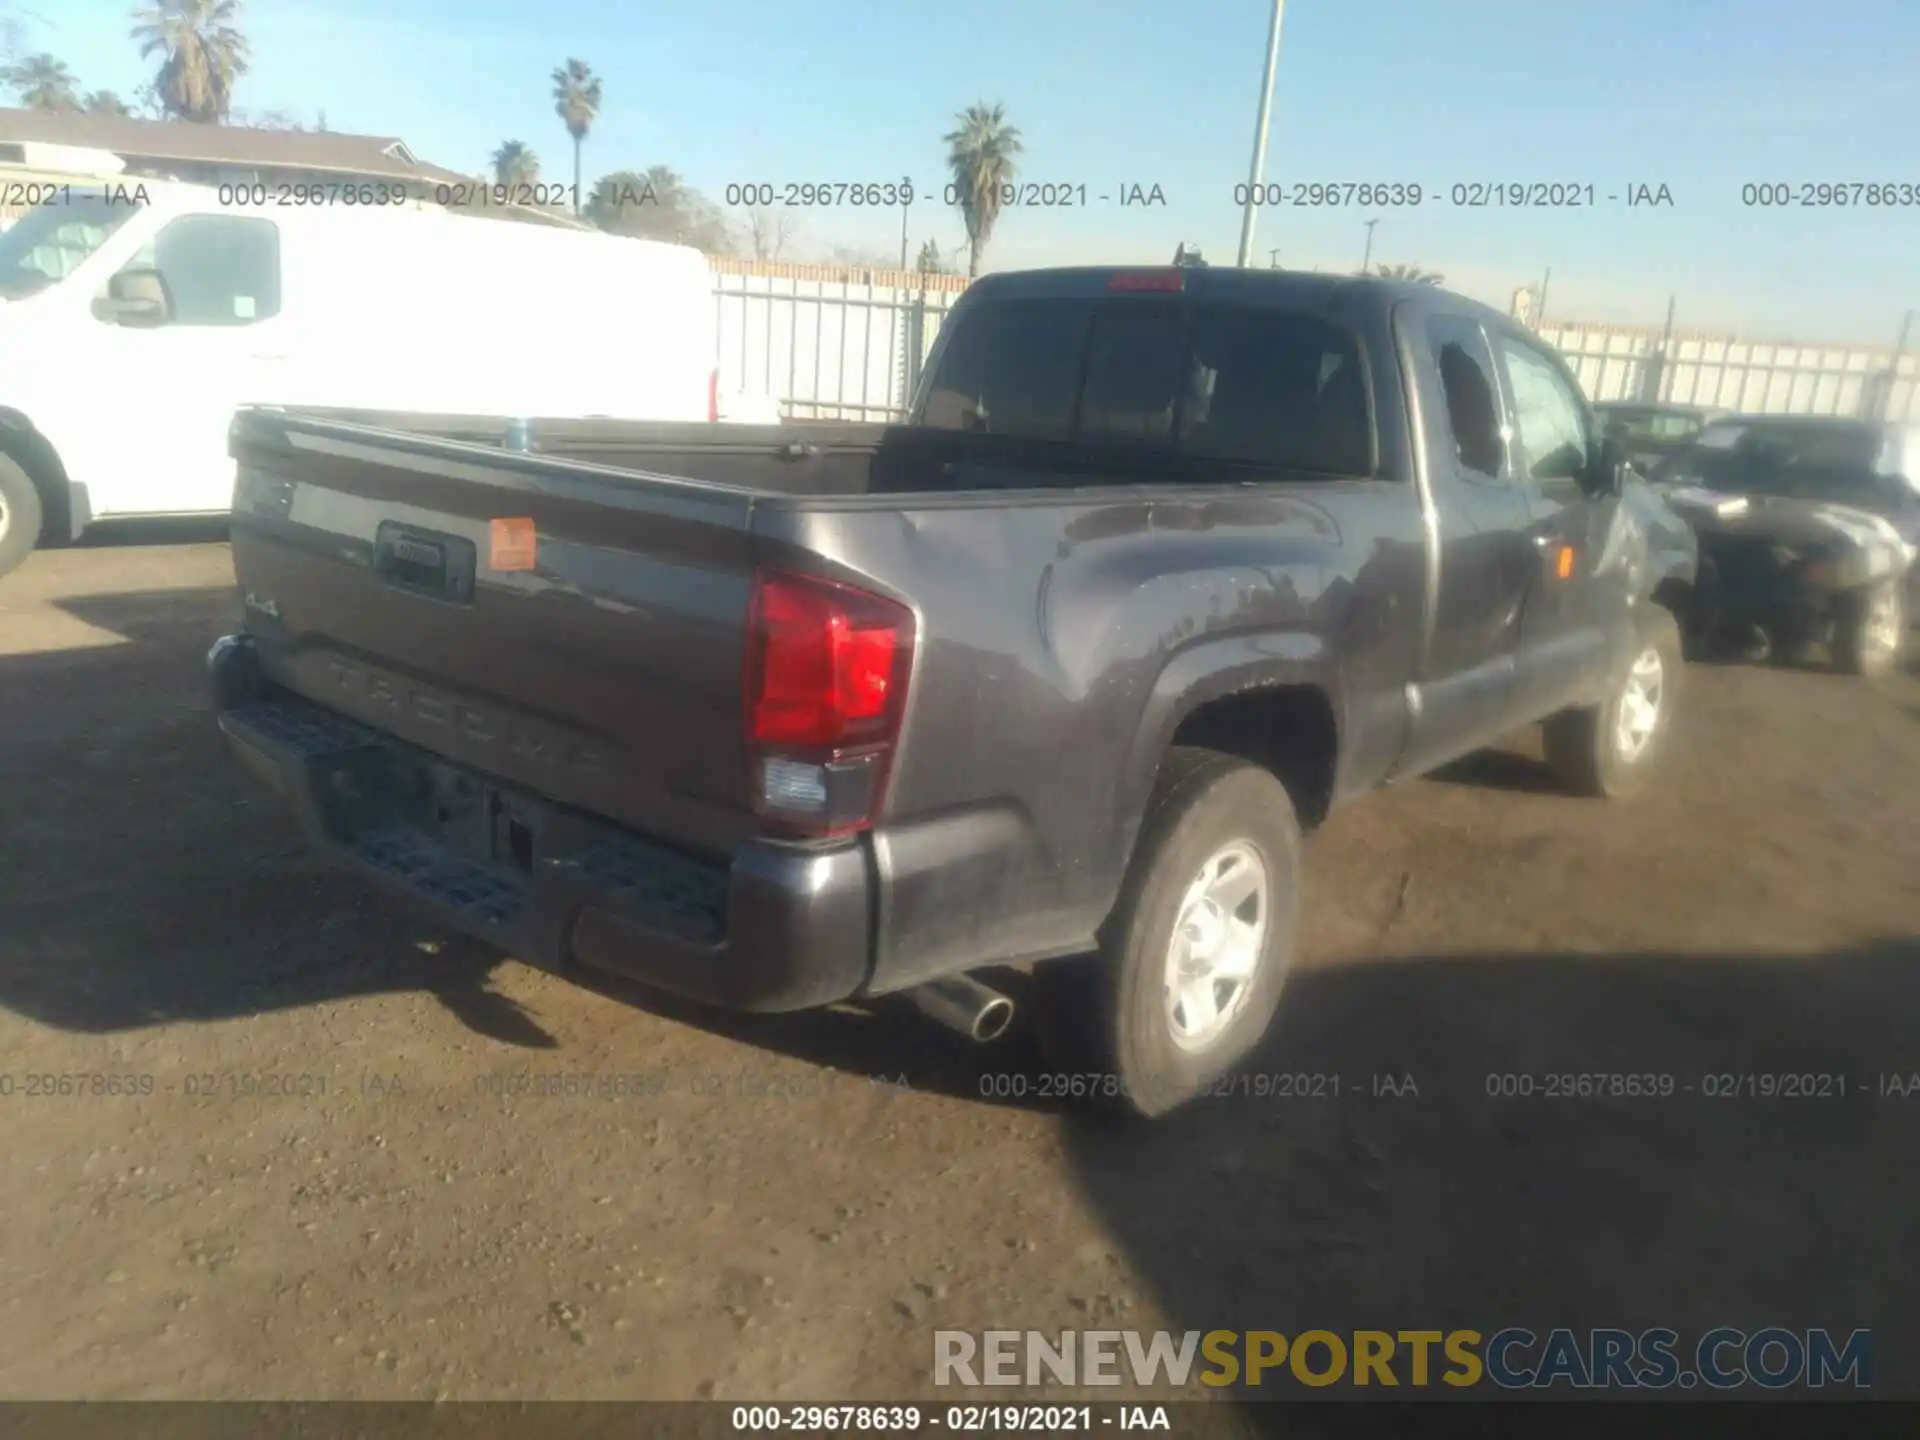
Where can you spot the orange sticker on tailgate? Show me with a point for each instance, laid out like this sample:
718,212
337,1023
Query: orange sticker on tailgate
514,544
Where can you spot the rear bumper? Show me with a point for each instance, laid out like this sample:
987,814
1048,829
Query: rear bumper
779,928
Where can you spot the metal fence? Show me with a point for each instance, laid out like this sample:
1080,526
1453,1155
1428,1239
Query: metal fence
828,342
836,343
1726,372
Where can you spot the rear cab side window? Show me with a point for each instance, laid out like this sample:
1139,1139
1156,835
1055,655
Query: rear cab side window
1472,426
1231,383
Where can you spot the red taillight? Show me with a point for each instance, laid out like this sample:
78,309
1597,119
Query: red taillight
1149,280
713,394
826,682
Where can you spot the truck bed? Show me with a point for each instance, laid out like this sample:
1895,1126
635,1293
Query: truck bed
824,458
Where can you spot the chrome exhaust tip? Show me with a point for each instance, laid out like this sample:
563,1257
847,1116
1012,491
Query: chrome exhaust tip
966,1007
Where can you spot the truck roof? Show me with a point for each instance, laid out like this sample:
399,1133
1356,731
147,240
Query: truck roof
1307,290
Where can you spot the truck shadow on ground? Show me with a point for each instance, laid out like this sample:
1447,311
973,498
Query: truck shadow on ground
1395,1175
145,878
1509,769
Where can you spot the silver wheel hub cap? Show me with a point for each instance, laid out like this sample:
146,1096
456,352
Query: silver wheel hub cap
1218,940
1884,622
1640,703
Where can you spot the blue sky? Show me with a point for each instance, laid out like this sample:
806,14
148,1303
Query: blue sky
1699,95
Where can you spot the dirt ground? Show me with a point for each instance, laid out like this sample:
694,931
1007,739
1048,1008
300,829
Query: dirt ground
775,1215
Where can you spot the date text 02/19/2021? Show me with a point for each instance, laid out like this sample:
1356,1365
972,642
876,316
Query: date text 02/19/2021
1466,195
1042,1419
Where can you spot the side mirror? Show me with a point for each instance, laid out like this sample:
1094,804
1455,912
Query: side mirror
1609,471
135,297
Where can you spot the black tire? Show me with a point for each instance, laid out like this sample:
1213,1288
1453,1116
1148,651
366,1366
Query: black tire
1105,1017
1585,747
20,514
1857,648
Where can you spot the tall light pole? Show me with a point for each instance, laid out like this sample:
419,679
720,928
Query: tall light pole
903,235
1260,137
1367,254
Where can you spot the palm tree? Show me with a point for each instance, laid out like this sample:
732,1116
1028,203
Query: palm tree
514,164
576,100
105,102
980,153
1410,272
43,83
204,51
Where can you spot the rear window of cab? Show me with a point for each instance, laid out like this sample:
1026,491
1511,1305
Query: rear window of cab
1227,383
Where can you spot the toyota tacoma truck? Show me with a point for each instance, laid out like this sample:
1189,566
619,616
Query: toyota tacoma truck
1164,565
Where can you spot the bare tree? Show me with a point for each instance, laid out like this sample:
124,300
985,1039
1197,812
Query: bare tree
264,120
862,257
769,232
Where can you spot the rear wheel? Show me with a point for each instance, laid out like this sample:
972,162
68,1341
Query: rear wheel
20,514
1871,629
1608,750
1192,961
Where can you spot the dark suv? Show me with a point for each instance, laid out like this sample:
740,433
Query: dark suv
1809,527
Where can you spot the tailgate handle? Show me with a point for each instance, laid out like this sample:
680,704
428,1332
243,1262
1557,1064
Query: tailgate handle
426,562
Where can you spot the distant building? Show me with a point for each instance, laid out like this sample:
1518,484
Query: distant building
59,145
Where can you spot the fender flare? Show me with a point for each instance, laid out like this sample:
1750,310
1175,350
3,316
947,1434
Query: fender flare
1210,670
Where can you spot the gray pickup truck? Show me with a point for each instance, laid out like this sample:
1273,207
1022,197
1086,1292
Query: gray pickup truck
1165,564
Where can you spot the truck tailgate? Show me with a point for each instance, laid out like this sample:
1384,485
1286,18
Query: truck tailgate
570,628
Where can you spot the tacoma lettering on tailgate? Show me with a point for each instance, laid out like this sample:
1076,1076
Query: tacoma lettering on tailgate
373,692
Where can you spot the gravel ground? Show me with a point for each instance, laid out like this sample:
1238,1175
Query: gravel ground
788,1208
